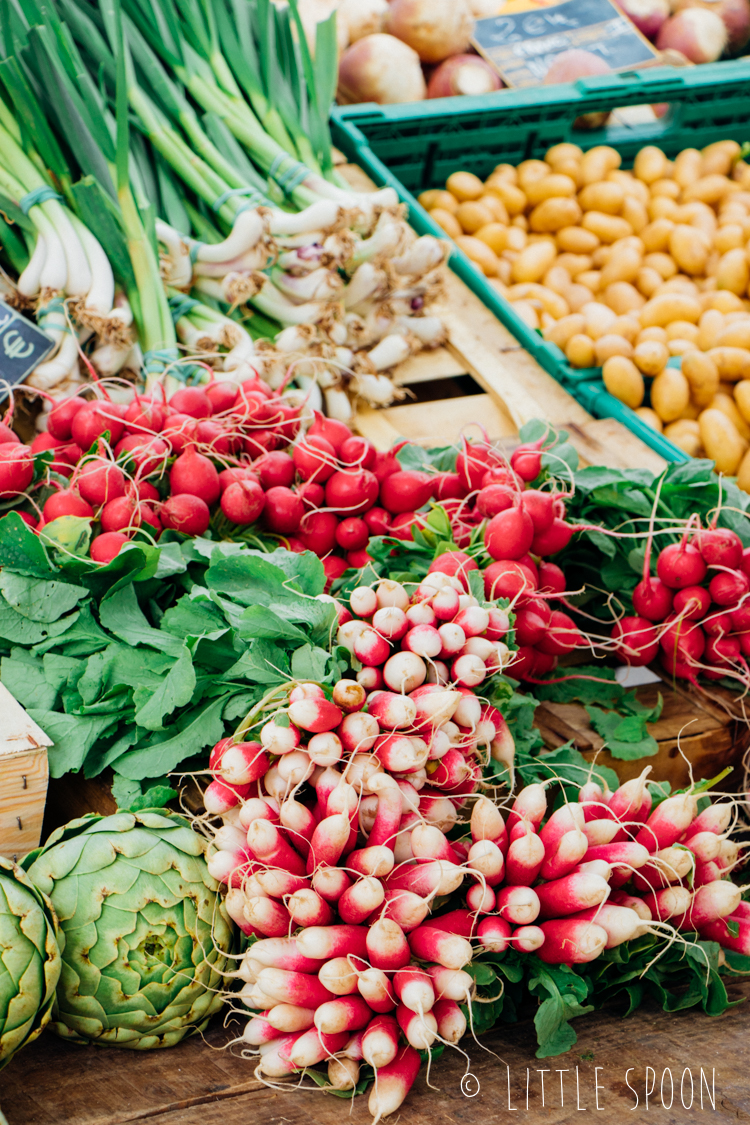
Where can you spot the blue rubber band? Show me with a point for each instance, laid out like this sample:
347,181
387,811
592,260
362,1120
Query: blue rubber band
195,249
252,192
37,196
157,360
181,306
295,172
276,164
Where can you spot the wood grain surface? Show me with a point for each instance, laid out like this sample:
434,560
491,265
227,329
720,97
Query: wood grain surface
198,1083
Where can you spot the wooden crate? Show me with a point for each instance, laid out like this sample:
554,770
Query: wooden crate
698,734
23,778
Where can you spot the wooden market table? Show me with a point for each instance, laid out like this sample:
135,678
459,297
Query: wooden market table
197,1083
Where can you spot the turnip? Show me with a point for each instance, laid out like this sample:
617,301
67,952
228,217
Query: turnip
647,15
186,513
243,501
353,493
509,534
100,481
283,510
727,589
194,474
93,420
700,35
107,546
463,74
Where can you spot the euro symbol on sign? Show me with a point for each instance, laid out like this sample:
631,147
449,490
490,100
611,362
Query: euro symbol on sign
15,347
470,1085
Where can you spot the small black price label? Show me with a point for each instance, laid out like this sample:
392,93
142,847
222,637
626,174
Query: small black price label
523,45
23,346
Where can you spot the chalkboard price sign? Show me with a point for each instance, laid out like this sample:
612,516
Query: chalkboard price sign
23,346
523,46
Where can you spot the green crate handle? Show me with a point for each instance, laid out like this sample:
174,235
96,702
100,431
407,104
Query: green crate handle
712,85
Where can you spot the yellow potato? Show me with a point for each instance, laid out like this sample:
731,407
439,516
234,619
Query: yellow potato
727,405
437,197
659,207
688,166
650,417
549,187
733,272
622,266
725,301
648,281
633,188
729,236
577,296
690,248
517,239
601,256
565,328
529,171
576,240
682,330
668,307
732,363
680,284
651,357
603,196
743,474
534,261
561,152
626,326
708,189
608,228
690,413
528,313
664,264
504,172
610,344
472,216
721,441
666,187
447,221
512,197
719,157
742,398
678,346
656,235
650,164
599,319
554,214
591,279
464,186
504,270
670,394
575,263
557,278
635,213
686,435
710,327
623,297
623,380
572,169
495,235
479,253
552,303
496,206
735,335
652,333
597,162
699,215
580,351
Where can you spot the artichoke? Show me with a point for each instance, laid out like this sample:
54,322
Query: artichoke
29,960
144,935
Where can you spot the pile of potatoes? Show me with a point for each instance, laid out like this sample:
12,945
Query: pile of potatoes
624,270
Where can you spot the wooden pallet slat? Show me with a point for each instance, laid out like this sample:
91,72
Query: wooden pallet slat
24,775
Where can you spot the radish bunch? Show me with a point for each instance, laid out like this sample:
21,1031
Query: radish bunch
694,613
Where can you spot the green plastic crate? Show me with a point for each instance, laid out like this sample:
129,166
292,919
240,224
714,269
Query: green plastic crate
417,146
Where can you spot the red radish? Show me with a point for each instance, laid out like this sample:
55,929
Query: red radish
283,510
60,418
495,498
360,900
738,621
716,818
258,1030
431,944
290,987
352,534
414,989
358,732
507,578
192,401
267,916
517,904
314,1046
148,454
318,532
330,883
419,1029
405,491
692,602
672,902
727,589
561,858
554,539
215,438
220,797
720,547
93,420
562,637
682,641
29,520
100,481
637,640
571,941
106,547
377,520
494,934
394,1081
541,508
284,953
551,578
8,435
67,502
357,451
625,855
480,899
345,1013
66,454
231,476
530,805
526,461
652,599
386,944
472,463
121,514
667,822
194,474
274,1056
509,534
315,715
333,431
565,819
239,763
144,414
267,844
275,469
185,513
724,652
719,931
222,395
699,34
454,563
16,468
352,493
380,1041
714,900
448,486
314,459
178,431
679,565
570,894
243,501
527,939
532,622
463,74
